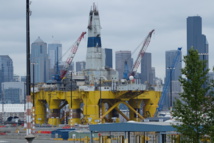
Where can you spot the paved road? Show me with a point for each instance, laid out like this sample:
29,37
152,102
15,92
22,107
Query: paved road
34,141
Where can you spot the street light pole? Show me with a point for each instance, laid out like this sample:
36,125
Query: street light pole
29,137
28,47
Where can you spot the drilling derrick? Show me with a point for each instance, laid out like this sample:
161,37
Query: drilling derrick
94,58
95,94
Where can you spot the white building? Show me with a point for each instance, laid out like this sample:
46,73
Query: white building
11,110
13,92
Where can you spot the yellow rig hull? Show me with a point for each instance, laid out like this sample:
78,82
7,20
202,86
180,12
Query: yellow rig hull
89,107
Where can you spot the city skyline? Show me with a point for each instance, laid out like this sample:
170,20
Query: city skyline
123,34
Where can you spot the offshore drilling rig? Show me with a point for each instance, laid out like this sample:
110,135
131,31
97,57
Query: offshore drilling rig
93,95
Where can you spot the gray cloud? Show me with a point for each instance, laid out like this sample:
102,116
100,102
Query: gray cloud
124,25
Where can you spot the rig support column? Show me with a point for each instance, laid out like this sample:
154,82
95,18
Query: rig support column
40,112
76,112
54,118
135,103
91,107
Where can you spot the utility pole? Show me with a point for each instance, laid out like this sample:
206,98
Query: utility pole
28,47
29,137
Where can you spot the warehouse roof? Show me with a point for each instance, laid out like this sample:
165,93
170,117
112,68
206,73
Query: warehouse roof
12,108
133,127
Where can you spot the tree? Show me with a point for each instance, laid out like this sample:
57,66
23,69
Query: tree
209,125
193,108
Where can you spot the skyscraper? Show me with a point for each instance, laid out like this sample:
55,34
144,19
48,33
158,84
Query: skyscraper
14,92
174,84
55,57
146,68
6,70
153,76
211,78
120,58
108,58
80,66
40,61
169,57
54,53
195,38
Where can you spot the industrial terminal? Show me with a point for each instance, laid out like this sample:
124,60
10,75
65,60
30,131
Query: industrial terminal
96,104
74,101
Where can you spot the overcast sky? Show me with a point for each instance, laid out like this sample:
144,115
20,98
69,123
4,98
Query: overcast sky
125,24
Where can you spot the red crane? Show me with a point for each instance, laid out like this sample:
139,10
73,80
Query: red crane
71,56
141,53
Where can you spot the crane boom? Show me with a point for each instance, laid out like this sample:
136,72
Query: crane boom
141,53
166,85
71,56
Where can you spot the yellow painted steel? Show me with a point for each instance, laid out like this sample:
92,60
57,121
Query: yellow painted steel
151,100
90,107
135,105
110,110
54,121
122,114
40,112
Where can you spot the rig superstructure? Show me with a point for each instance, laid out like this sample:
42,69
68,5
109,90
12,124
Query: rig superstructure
94,95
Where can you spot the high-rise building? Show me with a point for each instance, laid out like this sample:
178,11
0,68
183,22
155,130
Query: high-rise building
23,79
40,61
153,76
55,57
170,55
196,39
12,95
146,68
54,53
16,78
174,85
211,78
176,89
6,70
120,59
13,92
80,66
108,58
